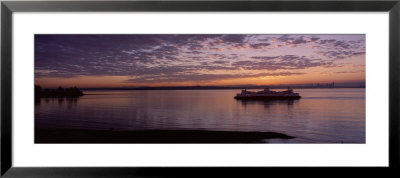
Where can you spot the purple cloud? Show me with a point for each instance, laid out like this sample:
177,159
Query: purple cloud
177,55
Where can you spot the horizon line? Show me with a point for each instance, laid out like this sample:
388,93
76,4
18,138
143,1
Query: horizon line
358,84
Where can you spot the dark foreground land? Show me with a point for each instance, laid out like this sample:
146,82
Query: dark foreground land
151,136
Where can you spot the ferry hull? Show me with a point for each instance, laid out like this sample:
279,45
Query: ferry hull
267,97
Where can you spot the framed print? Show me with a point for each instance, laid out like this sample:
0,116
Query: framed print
103,88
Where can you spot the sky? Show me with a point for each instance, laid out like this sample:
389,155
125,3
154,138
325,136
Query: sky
197,59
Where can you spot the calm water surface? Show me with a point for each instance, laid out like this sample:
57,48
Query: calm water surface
320,116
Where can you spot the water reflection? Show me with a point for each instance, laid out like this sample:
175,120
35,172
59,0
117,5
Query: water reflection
69,101
268,103
329,115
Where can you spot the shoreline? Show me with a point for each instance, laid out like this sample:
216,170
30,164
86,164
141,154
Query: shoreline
153,89
62,135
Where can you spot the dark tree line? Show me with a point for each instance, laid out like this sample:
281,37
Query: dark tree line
59,92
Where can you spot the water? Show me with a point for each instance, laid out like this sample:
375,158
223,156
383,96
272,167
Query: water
320,116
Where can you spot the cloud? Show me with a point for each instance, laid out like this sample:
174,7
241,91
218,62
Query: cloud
340,54
195,46
259,45
341,44
265,57
285,38
221,62
350,72
299,40
171,56
281,62
234,38
327,41
314,38
296,40
184,77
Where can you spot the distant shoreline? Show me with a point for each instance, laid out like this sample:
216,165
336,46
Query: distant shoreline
61,135
209,88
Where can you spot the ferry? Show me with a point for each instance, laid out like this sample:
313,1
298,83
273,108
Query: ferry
268,94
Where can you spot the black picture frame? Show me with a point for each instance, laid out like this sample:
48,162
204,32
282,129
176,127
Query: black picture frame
8,7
